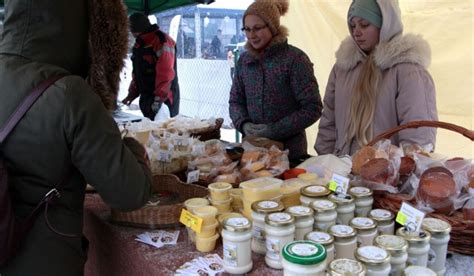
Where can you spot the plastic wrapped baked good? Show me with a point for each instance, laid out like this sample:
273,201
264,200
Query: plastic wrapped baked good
437,190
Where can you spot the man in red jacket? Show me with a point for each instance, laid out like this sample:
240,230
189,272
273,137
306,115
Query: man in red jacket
154,76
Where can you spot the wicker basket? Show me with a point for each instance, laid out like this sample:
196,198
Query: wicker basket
212,132
462,233
160,216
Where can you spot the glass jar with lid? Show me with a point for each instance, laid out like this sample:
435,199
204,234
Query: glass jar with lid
325,214
384,220
304,258
259,210
418,246
345,207
345,242
279,230
397,247
343,267
236,237
326,240
415,270
363,200
439,230
304,220
312,192
375,259
366,230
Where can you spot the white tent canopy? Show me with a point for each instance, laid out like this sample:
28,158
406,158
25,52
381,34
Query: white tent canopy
318,27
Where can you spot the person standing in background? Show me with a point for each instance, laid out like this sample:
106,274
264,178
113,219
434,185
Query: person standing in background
379,82
154,76
216,44
231,61
274,92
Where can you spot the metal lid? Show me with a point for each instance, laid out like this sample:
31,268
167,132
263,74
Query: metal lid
315,191
360,192
393,244
381,215
341,200
436,226
414,237
304,252
323,205
267,206
279,219
237,224
372,255
343,267
342,231
319,237
300,211
362,223
415,270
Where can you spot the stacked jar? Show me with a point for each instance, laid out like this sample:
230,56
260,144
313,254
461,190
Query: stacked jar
260,209
366,229
236,195
279,230
375,259
313,192
325,214
206,239
363,200
290,191
397,247
190,205
304,220
305,258
325,240
418,246
236,237
345,207
384,220
263,188
220,196
439,230
343,267
345,242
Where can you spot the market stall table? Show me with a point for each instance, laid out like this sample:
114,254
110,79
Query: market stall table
114,251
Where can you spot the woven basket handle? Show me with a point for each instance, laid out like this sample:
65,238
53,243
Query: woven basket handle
416,124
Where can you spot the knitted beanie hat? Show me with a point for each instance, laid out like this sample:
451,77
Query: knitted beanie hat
139,23
269,11
366,9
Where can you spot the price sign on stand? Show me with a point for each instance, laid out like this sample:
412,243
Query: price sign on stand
339,184
410,217
193,176
191,221
164,156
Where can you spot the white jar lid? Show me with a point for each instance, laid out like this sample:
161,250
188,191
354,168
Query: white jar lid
279,219
300,211
321,205
380,215
319,237
237,224
363,223
436,226
342,231
372,254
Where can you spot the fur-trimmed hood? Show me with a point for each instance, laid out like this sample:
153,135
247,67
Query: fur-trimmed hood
407,48
281,37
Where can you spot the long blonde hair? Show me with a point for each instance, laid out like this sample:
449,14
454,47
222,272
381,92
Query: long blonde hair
362,104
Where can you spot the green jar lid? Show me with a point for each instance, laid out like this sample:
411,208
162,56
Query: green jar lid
304,252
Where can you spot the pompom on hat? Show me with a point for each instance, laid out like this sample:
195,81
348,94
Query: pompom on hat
269,11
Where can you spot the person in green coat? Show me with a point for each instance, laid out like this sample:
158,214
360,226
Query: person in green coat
69,130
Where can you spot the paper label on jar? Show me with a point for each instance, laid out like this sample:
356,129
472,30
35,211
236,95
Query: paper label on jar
362,222
257,234
279,217
230,254
273,248
268,204
193,176
372,252
380,213
431,257
316,189
323,204
319,236
410,217
359,190
321,226
238,222
299,210
303,249
339,184
342,229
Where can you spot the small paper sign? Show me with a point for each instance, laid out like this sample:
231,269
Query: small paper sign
191,221
164,156
410,217
193,176
339,184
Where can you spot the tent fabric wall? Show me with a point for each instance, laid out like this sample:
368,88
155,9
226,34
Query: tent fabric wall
318,27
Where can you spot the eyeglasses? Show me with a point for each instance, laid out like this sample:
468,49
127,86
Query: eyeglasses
254,29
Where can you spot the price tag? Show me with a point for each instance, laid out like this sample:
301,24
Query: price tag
191,221
198,148
339,184
410,217
193,176
164,156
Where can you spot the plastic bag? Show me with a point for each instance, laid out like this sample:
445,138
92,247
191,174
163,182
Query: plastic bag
163,114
